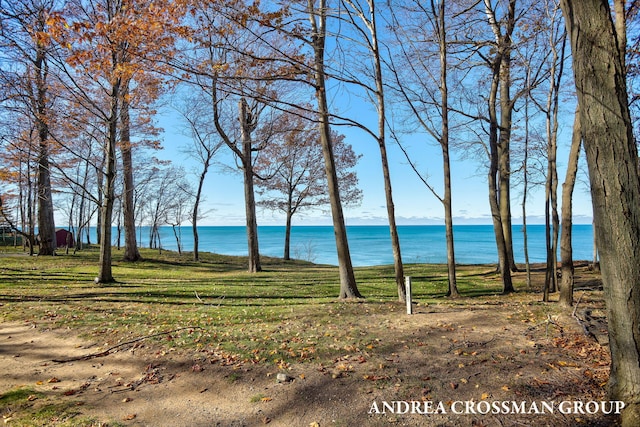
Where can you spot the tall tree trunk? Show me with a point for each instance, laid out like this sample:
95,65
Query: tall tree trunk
317,17
612,158
506,122
551,187
374,48
566,246
195,212
105,274
499,141
246,127
46,223
525,186
131,252
382,144
492,180
444,144
504,183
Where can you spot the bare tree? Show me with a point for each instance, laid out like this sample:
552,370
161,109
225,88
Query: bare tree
296,179
363,17
426,94
26,36
317,12
557,41
205,143
566,247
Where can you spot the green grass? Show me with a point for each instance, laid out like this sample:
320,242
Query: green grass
218,313
287,313
25,407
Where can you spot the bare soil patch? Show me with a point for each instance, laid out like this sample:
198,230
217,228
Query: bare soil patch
456,354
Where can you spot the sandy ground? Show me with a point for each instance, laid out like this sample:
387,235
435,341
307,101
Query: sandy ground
439,355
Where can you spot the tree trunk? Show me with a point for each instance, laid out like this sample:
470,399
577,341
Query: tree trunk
46,224
525,188
382,144
100,189
194,213
504,141
177,234
317,17
131,252
246,124
551,212
612,158
566,247
287,235
105,274
499,140
492,181
446,160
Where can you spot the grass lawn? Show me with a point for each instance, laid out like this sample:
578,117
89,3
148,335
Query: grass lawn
248,315
286,315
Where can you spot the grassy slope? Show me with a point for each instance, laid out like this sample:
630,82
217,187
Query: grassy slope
167,291
287,314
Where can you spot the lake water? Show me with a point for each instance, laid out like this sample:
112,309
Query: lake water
371,245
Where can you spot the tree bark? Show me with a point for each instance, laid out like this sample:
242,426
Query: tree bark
382,144
552,219
566,247
317,17
444,144
504,46
131,252
247,125
105,274
499,141
492,180
612,158
45,218
287,235
195,211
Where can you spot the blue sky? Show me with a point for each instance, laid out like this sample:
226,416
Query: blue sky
414,204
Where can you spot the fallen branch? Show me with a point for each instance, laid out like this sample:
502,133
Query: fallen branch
111,349
548,321
584,327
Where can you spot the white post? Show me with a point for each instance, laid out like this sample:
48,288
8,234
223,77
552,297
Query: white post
407,289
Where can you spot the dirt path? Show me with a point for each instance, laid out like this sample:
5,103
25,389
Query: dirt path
452,356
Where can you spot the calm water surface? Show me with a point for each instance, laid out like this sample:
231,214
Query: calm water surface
371,245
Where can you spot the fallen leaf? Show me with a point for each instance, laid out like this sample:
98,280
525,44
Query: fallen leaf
266,399
53,380
485,396
129,417
32,397
314,424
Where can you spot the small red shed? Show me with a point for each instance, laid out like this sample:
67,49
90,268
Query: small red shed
64,238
